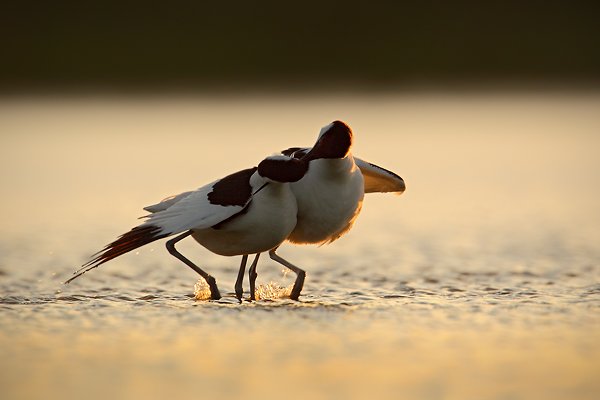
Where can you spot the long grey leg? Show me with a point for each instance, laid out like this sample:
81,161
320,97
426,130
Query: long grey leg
252,277
212,283
300,274
239,290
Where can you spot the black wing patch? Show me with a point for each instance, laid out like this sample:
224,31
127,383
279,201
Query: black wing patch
233,190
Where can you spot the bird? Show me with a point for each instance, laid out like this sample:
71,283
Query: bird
329,195
247,212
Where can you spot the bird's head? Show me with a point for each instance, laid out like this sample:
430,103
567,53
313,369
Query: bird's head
335,141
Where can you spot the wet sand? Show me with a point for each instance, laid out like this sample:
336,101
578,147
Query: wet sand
482,281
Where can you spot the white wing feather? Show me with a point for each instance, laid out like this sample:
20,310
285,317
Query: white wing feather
378,179
192,211
168,202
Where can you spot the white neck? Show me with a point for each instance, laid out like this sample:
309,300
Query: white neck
333,166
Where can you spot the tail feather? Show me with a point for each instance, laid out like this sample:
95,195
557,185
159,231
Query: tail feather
137,237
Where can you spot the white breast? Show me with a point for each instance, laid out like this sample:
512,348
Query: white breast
329,199
269,219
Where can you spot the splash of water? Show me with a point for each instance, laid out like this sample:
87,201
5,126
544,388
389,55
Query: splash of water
272,291
201,290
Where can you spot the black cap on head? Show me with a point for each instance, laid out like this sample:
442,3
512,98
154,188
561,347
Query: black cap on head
334,141
282,169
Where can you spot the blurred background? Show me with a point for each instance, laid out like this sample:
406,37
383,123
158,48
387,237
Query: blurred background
198,45
482,281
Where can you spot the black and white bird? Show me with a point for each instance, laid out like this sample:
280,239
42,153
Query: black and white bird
330,194
248,212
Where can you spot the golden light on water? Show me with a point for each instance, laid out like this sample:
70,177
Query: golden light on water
480,282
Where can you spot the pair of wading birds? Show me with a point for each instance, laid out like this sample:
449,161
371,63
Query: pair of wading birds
305,195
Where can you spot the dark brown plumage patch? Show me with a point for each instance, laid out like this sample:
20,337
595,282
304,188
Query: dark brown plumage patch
131,240
334,143
233,190
137,237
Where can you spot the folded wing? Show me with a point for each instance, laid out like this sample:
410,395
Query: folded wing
198,209
166,203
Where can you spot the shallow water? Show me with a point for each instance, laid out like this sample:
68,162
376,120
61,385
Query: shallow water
481,281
